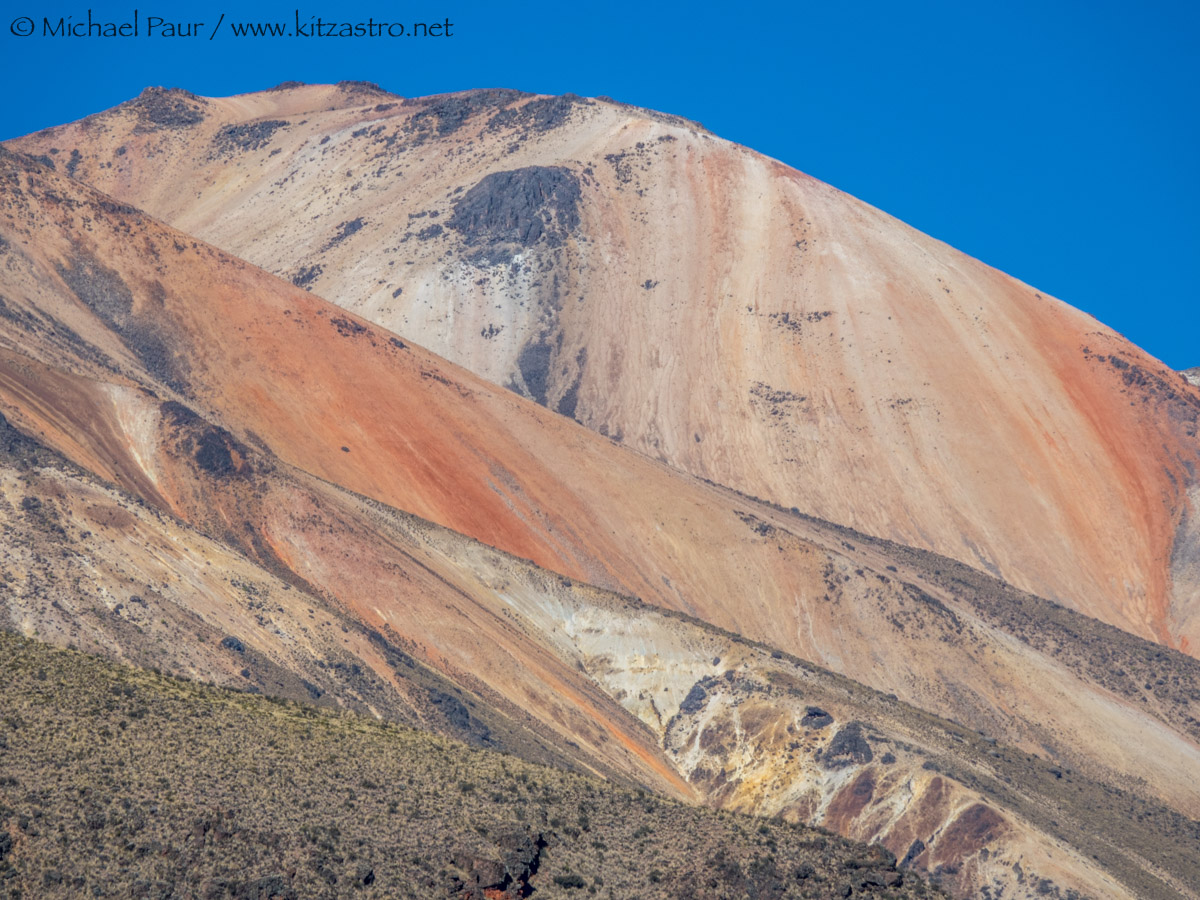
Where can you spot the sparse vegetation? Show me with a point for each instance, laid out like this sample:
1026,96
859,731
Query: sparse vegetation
122,782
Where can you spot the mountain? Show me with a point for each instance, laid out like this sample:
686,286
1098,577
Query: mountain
210,470
706,306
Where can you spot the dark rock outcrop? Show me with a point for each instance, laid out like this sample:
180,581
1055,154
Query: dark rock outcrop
847,747
503,875
507,212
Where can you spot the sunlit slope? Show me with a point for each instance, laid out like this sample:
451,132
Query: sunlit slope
260,421
355,407
706,306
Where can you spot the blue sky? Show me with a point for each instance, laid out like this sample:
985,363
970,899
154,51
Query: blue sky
1057,141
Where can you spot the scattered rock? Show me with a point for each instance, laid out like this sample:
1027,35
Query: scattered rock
307,275
363,87
248,136
542,114
269,887
158,107
447,113
348,327
345,230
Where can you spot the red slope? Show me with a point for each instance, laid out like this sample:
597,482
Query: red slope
795,343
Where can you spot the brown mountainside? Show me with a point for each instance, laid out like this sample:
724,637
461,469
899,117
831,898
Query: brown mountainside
706,306
210,470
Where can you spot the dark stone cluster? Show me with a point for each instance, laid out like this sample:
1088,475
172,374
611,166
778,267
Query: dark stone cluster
507,212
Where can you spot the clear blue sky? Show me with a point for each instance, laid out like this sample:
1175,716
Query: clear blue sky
1057,141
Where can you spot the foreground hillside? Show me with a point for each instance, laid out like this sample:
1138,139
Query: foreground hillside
708,307
118,782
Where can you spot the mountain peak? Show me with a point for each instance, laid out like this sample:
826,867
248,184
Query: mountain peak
471,372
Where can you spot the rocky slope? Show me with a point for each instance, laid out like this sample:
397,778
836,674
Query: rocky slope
706,306
323,805
306,504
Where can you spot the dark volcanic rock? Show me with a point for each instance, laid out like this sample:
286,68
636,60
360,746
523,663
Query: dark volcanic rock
815,717
178,414
158,107
364,875
695,700
570,398
507,212
534,363
505,875
307,275
915,849
542,114
214,452
445,114
345,230
42,158
848,746
249,136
